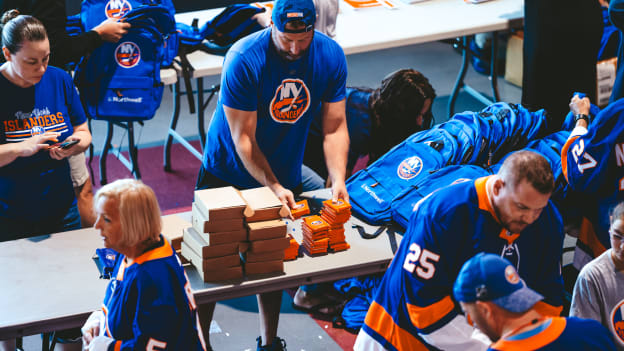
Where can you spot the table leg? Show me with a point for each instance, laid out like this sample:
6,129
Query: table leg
459,83
172,126
103,156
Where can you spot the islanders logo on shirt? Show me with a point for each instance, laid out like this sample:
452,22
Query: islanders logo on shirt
127,54
36,130
410,167
117,8
617,320
290,101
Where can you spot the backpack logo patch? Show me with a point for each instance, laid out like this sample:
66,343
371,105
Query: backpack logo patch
617,318
127,54
117,8
290,101
410,167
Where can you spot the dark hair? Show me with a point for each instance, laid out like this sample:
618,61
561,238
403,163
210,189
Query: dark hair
617,213
396,103
18,28
530,166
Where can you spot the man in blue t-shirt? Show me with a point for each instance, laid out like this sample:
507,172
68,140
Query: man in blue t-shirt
274,84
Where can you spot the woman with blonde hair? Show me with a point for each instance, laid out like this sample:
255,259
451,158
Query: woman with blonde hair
148,303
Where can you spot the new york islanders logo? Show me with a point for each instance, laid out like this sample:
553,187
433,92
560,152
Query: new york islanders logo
117,8
290,101
36,130
316,223
127,54
617,320
512,275
410,167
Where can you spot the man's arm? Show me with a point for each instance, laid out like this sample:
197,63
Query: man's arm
336,146
243,130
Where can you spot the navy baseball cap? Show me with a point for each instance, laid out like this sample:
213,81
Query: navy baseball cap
488,277
285,11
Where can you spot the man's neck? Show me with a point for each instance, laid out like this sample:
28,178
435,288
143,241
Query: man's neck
525,322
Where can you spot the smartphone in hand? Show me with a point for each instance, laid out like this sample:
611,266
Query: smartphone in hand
67,143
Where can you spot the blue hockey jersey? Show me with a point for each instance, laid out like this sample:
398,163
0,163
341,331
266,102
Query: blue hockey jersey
149,304
559,333
450,226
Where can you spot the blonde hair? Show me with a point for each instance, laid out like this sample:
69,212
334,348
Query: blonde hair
139,212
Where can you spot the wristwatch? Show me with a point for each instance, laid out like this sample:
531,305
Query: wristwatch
581,116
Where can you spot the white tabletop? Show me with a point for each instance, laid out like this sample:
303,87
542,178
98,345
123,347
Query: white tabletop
54,284
382,28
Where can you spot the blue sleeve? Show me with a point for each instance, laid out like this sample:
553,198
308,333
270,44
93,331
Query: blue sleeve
616,13
550,284
74,106
239,82
157,318
336,91
585,162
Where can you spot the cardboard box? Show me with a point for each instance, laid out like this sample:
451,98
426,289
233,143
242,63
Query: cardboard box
225,237
264,230
264,267
269,245
173,229
264,205
264,256
513,59
198,244
203,225
226,273
209,264
220,203
605,78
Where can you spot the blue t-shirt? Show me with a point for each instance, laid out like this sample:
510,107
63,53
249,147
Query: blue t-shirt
38,187
286,95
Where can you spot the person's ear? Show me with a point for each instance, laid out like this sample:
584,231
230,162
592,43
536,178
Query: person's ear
499,184
6,53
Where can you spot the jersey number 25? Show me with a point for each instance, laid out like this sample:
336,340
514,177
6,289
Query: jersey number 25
425,260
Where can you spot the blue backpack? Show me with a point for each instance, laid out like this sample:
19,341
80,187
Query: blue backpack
403,205
372,190
93,12
121,81
215,36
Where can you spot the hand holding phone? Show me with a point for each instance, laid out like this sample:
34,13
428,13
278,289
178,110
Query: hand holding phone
67,144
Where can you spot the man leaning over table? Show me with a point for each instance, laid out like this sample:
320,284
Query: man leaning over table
274,83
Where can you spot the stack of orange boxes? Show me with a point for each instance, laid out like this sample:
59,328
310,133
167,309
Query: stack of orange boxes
267,239
292,251
300,209
336,215
315,235
218,228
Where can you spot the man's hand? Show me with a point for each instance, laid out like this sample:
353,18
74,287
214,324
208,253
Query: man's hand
58,153
339,191
112,30
579,106
285,196
91,328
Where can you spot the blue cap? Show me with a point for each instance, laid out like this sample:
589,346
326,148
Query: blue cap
285,11
488,277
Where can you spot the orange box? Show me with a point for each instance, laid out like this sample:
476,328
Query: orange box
340,247
300,209
315,224
341,206
292,251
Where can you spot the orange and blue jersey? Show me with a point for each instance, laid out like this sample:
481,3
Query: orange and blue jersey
38,187
449,227
286,96
149,304
593,164
558,333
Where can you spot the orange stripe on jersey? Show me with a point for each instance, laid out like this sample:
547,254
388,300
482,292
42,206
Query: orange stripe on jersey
380,321
506,235
547,310
423,317
122,269
484,200
106,330
587,235
564,155
550,334
159,252
118,345
56,129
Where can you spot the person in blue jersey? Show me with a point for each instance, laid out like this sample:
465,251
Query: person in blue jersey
507,214
500,304
40,108
148,303
274,83
592,161
598,291
377,120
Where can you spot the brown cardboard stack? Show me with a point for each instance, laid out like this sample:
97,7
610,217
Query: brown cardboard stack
172,229
218,227
264,252
336,215
315,235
